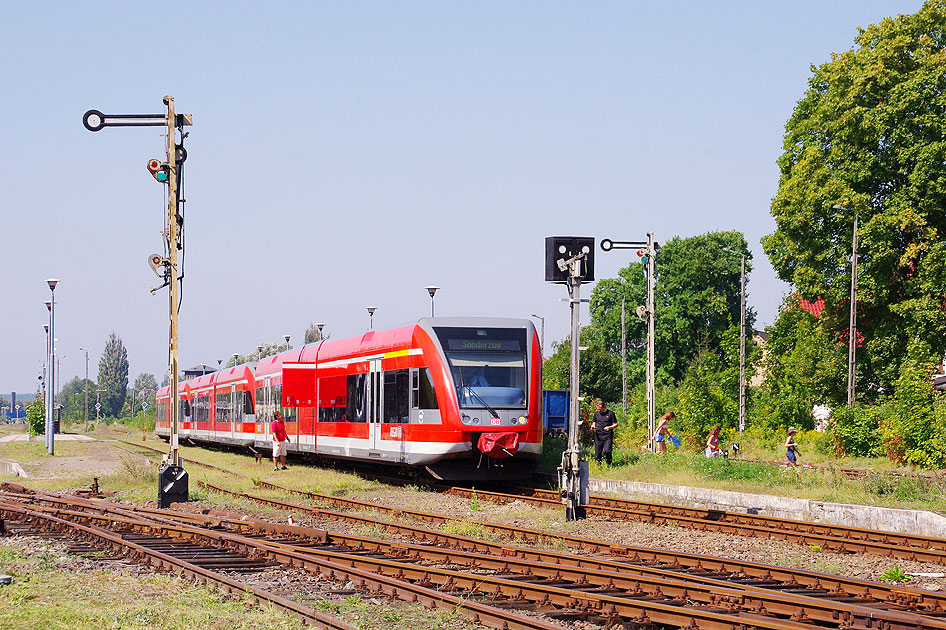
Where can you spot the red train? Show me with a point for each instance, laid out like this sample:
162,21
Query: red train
459,397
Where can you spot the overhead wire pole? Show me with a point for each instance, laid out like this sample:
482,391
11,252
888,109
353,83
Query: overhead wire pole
852,322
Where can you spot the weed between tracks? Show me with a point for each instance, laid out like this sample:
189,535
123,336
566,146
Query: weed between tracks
47,593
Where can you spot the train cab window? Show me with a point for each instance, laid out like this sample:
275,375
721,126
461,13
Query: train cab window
396,385
423,395
488,365
355,393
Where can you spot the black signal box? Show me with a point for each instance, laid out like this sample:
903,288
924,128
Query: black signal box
172,486
559,249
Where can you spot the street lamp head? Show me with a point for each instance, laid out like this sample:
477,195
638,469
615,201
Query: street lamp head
52,282
371,309
259,348
286,337
837,207
46,328
431,290
49,305
320,326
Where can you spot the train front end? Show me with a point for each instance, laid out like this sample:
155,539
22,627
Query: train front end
488,373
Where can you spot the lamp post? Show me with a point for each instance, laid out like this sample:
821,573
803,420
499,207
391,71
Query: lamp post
623,353
432,290
259,353
49,306
742,337
320,326
542,338
852,322
287,337
371,310
236,358
86,351
50,439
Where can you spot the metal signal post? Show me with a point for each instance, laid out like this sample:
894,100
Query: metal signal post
166,268
647,313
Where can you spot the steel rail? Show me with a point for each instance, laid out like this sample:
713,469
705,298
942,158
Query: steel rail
903,596
709,593
923,543
675,609
335,570
163,561
777,529
724,572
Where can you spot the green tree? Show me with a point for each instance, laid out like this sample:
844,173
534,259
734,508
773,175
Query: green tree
870,135
72,397
697,299
36,415
804,367
599,371
113,376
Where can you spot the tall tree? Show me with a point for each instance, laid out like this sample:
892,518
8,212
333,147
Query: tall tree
869,136
697,299
72,397
113,376
146,385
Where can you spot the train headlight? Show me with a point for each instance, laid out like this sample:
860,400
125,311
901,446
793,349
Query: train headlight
523,420
475,421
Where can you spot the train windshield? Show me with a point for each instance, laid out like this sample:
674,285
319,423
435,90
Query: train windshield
488,365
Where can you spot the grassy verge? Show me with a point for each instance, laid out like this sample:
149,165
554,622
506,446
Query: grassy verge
48,594
826,483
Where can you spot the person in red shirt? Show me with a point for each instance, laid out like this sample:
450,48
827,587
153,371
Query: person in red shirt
280,439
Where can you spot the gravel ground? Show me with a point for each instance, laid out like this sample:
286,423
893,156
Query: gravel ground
519,514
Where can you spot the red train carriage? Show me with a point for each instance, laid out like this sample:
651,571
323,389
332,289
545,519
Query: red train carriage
459,397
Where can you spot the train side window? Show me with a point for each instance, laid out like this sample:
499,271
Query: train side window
395,396
260,403
247,403
332,400
288,413
356,398
422,390
223,407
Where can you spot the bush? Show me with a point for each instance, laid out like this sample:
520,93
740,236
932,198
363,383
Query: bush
855,431
36,415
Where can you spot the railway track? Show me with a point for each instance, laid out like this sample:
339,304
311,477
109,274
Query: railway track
835,538
559,586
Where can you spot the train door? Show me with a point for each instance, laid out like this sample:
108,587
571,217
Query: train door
266,416
235,411
375,407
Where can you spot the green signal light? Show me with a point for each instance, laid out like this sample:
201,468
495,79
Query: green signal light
161,176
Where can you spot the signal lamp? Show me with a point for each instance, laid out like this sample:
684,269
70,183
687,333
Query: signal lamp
158,170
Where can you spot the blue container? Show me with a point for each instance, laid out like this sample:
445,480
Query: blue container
555,411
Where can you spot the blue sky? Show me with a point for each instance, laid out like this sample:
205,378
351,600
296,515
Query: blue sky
348,154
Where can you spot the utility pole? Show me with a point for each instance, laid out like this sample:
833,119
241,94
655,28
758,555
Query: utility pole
852,337
86,350
742,345
852,323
